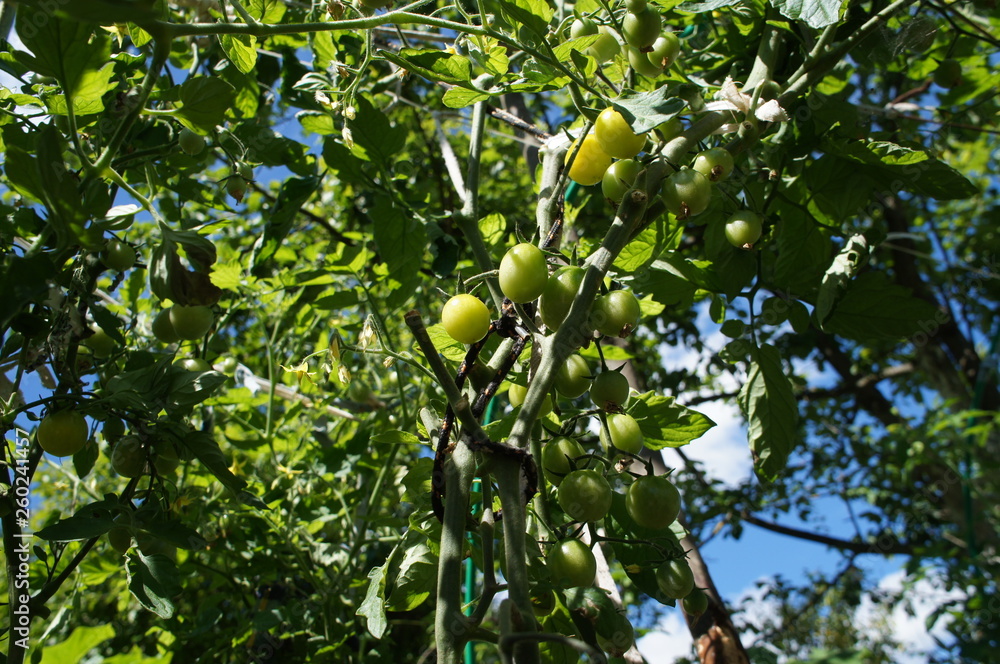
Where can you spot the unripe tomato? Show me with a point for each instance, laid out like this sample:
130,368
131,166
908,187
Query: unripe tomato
625,433
616,314
686,193
743,229
100,343
675,578
716,164
610,390
696,602
118,255
616,137
120,539
606,47
558,296
523,273
465,318
113,429
236,186
573,377
128,458
195,364
641,63
190,142
590,162
618,639
557,458
163,329
653,501
635,6
670,129
571,564
582,27
641,29
165,457
948,73
191,322
62,433
619,178
585,495
516,394
665,50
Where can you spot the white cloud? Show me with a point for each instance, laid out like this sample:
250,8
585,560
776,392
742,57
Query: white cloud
669,642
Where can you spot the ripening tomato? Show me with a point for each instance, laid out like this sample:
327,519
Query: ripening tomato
465,318
590,162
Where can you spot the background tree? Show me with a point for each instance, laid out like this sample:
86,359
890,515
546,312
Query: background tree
229,230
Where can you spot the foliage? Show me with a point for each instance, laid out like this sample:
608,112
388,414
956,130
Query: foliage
306,495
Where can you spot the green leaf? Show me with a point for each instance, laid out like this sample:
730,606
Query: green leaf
532,14
416,579
665,423
844,268
839,188
153,580
21,281
401,241
375,139
207,451
396,438
768,403
493,228
816,13
647,110
77,645
640,252
461,97
67,49
241,51
433,64
101,12
873,309
373,606
205,102
803,251
291,197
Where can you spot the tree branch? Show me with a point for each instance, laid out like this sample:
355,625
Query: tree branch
854,546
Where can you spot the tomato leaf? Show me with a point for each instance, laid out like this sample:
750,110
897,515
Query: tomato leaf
844,268
373,606
768,403
873,309
816,13
241,51
647,110
205,102
665,423
153,580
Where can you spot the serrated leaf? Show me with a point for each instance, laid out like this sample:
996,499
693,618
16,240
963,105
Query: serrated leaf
532,14
401,241
844,268
153,581
768,403
665,423
375,139
816,13
873,309
462,97
645,111
241,51
373,606
396,438
416,579
230,276
205,102
433,64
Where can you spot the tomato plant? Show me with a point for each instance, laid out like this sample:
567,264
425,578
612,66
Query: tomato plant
571,564
695,603
128,457
120,539
62,433
163,329
100,343
619,178
686,193
675,578
558,296
624,432
516,394
585,495
653,501
523,273
716,164
582,27
665,50
195,364
743,229
118,255
573,377
641,28
948,73
191,142
606,47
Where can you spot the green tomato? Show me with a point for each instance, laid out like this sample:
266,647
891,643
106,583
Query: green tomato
641,29
686,193
675,579
118,256
120,539
653,502
590,162
696,602
571,564
191,322
616,314
625,433
716,164
194,364
165,457
616,137
606,47
610,390
948,73
465,318
665,50
558,296
557,458
163,329
100,343
641,63
573,377
229,364
619,178
62,433
618,638
585,495
113,429
516,394
128,457
523,273
236,186
582,27
190,142
743,229
670,129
